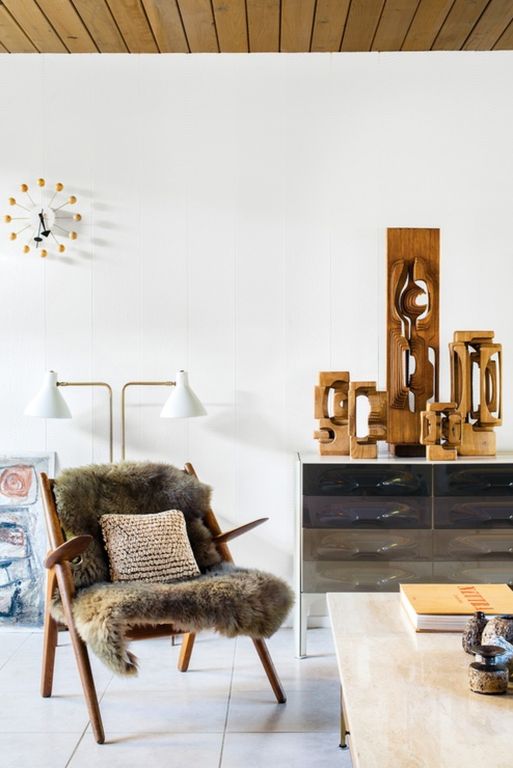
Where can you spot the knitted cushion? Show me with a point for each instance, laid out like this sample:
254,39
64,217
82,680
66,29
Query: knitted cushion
152,547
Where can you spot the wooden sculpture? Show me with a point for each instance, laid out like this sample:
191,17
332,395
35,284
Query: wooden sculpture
366,447
412,333
475,357
440,431
331,408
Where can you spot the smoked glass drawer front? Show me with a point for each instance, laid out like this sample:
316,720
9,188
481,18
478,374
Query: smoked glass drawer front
473,572
386,480
368,546
479,480
366,512
339,576
473,545
473,512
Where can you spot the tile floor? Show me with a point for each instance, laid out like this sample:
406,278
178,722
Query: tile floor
220,714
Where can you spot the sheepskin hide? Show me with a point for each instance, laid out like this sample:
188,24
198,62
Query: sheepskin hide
233,601
84,494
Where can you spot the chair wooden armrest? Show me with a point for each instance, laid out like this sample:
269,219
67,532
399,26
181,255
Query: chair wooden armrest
222,538
68,551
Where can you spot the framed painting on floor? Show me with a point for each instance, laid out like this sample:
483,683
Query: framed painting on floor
22,539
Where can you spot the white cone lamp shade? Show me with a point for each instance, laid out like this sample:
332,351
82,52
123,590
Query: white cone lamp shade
48,403
182,403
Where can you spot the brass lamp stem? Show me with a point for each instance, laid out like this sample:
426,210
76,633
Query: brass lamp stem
109,389
123,405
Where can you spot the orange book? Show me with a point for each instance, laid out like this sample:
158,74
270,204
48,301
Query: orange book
446,607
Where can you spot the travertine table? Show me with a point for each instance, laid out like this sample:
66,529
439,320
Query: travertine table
405,695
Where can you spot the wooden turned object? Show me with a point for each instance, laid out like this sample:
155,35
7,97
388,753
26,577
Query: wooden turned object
471,350
366,447
412,333
331,408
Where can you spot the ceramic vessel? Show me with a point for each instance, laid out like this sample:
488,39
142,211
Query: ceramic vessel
486,675
473,631
501,626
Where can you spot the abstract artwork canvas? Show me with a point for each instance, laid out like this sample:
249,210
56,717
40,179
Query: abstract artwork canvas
22,539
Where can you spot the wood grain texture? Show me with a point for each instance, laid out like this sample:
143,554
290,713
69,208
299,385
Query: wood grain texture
297,17
458,25
101,25
133,25
332,434
440,431
35,25
329,23
69,26
366,447
199,25
362,22
394,24
12,36
231,24
480,406
426,24
263,25
413,257
166,24
505,41
488,30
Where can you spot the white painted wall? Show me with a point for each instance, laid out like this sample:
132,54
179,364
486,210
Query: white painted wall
234,224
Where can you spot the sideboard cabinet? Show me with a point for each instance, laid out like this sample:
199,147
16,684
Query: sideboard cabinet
370,525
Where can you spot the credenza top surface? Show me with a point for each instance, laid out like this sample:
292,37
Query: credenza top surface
505,457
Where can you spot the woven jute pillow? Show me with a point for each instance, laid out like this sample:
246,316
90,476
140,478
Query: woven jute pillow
148,547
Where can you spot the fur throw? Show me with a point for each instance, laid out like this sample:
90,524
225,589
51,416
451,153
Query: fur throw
84,494
233,601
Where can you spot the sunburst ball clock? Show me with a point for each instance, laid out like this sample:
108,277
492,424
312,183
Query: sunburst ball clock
43,220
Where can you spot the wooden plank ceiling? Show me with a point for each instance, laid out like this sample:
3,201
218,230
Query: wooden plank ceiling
242,26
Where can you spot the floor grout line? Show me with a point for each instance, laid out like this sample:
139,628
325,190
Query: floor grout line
81,737
221,753
18,647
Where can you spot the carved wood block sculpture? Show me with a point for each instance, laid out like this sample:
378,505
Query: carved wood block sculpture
331,408
366,447
412,333
476,358
440,431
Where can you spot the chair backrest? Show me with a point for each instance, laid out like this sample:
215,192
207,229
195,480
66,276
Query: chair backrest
75,502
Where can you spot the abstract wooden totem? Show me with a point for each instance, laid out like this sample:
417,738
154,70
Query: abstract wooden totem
440,431
331,408
366,447
476,358
412,333
408,415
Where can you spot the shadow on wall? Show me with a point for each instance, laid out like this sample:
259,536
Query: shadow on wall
246,422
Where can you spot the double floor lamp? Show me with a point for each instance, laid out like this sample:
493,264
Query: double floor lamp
50,404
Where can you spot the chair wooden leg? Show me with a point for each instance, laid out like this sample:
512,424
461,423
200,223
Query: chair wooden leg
185,651
49,640
65,583
270,671
88,686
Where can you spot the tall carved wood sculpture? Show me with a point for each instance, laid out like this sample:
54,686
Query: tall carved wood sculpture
440,431
331,408
476,358
366,447
412,333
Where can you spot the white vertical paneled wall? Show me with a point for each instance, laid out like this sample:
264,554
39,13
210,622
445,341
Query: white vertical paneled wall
235,210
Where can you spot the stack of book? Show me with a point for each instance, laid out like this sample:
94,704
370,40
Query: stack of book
447,607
